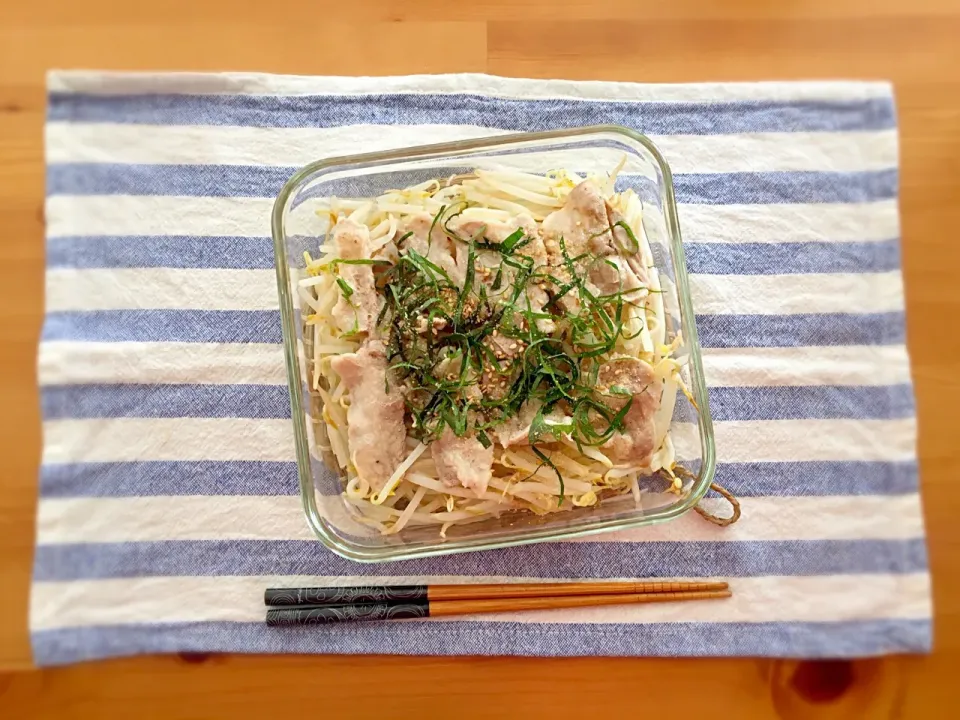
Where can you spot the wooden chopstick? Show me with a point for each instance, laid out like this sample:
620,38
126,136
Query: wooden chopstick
394,594
424,608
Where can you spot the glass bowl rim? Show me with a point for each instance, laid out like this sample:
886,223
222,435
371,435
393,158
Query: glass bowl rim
307,491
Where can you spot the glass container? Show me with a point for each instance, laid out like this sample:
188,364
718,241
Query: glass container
297,228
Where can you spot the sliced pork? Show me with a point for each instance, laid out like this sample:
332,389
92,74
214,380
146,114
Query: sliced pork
495,232
635,445
357,308
496,385
581,222
516,430
462,461
587,224
436,246
375,417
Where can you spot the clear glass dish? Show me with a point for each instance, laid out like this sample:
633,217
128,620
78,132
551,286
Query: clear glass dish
298,228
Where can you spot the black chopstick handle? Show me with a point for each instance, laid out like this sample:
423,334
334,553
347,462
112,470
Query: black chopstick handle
355,595
322,614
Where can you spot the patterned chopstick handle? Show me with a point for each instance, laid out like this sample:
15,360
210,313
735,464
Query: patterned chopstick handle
280,617
356,595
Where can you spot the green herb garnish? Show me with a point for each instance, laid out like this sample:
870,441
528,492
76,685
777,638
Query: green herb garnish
469,353
345,288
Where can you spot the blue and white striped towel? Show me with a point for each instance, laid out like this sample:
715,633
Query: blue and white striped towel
168,488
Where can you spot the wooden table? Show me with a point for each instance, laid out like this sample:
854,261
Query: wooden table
916,43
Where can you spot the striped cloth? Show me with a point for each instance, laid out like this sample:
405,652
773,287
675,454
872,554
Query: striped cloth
169,489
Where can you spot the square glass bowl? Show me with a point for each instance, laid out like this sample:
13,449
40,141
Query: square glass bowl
298,228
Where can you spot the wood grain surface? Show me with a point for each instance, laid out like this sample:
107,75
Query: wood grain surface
914,43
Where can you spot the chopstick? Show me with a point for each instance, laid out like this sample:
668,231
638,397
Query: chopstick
424,608
398,594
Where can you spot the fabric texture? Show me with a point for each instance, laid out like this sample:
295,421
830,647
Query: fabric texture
168,491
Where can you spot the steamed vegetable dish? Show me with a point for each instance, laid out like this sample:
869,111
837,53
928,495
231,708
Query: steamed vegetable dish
490,343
